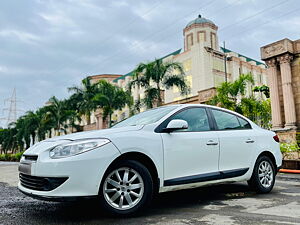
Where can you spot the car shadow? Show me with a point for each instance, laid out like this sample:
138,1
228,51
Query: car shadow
90,212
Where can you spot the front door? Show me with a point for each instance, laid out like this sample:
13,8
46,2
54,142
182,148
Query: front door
193,153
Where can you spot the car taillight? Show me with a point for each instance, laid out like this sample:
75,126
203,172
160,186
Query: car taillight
276,138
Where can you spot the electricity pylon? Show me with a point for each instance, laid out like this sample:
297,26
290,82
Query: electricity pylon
12,109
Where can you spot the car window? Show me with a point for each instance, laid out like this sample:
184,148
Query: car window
146,117
195,117
244,123
226,121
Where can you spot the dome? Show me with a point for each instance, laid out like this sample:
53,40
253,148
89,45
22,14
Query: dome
199,20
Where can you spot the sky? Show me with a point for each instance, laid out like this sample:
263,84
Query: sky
47,46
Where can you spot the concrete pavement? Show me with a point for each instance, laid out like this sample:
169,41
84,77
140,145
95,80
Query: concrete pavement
223,204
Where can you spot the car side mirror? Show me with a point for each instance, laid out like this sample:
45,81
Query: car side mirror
176,125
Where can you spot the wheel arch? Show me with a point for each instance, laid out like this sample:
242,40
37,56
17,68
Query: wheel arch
270,155
143,159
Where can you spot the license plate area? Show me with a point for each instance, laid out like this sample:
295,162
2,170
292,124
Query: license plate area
25,168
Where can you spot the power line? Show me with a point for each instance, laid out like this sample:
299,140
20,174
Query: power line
254,15
268,21
170,25
232,35
155,34
123,28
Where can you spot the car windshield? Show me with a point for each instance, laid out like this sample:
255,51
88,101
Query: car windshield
147,117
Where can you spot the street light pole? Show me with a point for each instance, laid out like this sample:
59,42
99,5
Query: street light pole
225,62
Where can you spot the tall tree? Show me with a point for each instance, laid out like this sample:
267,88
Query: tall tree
228,93
157,76
231,95
59,113
111,98
84,96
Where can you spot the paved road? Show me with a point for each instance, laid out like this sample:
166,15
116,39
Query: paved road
224,204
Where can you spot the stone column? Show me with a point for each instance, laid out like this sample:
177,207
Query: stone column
274,94
287,89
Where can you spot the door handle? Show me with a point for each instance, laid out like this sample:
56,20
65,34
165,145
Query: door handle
249,141
211,142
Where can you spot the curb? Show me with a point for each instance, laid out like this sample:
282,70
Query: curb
289,171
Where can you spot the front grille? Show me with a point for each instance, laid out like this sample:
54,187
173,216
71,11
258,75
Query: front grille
41,183
31,157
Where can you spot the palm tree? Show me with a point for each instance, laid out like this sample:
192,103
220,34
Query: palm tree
45,123
23,134
58,112
84,98
228,93
231,95
111,98
258,111
157,76
31,124
9,139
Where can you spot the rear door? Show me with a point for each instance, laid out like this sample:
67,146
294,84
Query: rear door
237,141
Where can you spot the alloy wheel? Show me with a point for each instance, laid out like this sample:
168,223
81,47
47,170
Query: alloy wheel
265,174
123,188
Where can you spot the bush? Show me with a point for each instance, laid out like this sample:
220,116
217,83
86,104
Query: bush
11,157
287,148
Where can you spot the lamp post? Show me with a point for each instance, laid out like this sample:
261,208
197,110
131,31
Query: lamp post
225,62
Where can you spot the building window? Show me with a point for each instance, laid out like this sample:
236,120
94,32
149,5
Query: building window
189,41
201,36
213,41
189,80
187,65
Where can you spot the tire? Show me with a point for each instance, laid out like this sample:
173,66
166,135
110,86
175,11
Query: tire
263,176
126,194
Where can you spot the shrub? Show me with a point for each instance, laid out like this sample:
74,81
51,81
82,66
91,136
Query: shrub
11,157
287,148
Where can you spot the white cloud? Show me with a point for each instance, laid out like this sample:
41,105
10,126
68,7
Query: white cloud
3,69
49,45
58,19
21,35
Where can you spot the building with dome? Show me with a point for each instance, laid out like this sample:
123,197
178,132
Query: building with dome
204,62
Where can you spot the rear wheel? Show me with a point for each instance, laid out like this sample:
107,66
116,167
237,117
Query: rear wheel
126,188
263,177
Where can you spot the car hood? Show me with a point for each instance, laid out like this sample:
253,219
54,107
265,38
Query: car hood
52,142
104,133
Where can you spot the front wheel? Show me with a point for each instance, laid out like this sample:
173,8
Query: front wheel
126,188
263,177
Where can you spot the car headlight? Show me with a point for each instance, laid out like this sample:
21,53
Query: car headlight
76,147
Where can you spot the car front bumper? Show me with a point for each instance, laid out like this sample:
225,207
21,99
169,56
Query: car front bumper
84,173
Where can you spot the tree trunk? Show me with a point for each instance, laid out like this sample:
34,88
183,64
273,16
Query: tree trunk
109,122
159,100
33,138
88,118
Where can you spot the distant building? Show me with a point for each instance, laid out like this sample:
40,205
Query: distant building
204,65
107,77
283,60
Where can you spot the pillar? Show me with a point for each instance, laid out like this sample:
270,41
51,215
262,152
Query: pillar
274,93
287,89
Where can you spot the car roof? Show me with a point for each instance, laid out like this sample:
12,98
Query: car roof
181,106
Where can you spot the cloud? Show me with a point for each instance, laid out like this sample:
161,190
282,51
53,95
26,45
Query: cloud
20,35
48,45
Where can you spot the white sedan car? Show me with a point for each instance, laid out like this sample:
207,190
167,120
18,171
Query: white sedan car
163,149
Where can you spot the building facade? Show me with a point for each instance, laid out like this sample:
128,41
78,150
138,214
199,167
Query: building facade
204,62
283,60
